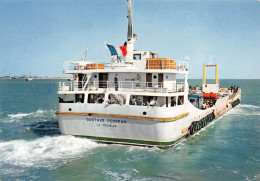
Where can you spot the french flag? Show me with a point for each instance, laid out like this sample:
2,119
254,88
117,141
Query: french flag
123,50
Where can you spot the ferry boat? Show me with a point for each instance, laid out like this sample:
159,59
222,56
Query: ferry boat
28,79
136,98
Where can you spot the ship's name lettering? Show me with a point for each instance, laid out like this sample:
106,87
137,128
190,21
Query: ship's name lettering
116,121
95,120
102,120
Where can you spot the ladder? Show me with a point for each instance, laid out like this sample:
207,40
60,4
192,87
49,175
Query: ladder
118,97
86,80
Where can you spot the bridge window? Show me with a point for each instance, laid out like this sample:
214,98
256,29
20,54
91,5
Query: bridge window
96,98
116,99
153,101
180,100
79,98
173,101
137,56
67,98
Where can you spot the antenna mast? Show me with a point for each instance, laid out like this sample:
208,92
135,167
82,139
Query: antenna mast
131,37
130,23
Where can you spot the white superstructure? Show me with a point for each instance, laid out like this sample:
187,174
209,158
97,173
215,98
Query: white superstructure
135,100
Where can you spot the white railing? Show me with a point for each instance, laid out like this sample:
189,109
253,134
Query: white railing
126,86
181,65
178,65
163,64
180,87
83,65
68,66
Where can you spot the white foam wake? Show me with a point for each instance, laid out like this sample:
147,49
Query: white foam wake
44,152
249,106
19,115
244,109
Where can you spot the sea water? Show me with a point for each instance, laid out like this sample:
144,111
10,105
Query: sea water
32,148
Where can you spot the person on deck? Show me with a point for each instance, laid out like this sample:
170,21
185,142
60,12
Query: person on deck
152,102
116,82
100,100
139,102
204,105
156,104
173,102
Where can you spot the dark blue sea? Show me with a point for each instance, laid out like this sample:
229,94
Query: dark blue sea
32,148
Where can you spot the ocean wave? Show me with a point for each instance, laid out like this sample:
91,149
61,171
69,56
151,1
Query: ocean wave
19,116
44,152
44,128
142,148
8,120
244,109
119,176
249,106
180,146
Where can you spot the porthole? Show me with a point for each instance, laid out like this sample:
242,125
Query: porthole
144,113
95,76
70,109
154,76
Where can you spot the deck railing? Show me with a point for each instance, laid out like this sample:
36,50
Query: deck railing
181,65
126,86
177,65
83,66
164,63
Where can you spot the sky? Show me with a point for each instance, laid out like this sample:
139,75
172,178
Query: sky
38,36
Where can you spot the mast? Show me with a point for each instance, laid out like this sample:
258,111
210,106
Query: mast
130,23
130,35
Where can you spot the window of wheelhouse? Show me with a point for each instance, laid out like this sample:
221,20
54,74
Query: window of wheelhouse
137,56
116,99
173,101
152,101
79,98
138,100
161,101
66,98
180,100
96,98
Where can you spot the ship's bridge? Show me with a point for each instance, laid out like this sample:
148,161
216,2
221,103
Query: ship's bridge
155,75
145,73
